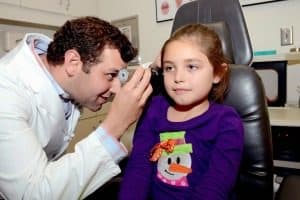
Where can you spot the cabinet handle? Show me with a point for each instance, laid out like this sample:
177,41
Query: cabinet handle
95,127
68,5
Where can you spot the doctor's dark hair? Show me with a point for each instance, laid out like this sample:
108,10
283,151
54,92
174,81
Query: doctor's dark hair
209,43
88,36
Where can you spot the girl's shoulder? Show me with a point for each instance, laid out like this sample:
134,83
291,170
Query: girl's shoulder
156,104
225,114
158,101
222,108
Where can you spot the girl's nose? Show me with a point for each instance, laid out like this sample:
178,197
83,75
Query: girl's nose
179,76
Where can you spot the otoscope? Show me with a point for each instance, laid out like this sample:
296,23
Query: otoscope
156,80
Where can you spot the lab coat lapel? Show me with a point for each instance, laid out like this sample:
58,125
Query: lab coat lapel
51,126
48,119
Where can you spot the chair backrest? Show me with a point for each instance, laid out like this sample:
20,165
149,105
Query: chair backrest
246,95
246,92
212,11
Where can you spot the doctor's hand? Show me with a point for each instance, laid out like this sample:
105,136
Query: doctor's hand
128,103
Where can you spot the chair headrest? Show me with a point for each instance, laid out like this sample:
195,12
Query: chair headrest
215,11
222,30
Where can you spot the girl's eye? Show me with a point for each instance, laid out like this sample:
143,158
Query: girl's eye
192,67
168,68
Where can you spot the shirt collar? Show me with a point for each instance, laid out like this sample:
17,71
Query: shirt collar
40,47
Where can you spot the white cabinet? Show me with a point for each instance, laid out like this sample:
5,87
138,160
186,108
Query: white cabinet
66,7
127,137
88,122
56,6
12,2
84,128
83,8
48,12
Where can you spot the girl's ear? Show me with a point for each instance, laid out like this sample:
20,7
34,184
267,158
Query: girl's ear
73,62
218,77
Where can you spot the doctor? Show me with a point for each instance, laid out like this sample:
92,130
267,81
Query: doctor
42,85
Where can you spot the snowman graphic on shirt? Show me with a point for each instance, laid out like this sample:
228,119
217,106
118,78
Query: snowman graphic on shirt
173,167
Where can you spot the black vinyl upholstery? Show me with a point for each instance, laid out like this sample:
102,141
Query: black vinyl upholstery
245,93
212,11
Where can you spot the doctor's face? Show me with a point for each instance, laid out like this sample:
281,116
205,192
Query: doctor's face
93,89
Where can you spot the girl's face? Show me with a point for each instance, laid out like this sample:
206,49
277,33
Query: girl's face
188,74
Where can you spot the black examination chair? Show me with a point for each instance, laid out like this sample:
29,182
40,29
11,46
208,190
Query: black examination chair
245,94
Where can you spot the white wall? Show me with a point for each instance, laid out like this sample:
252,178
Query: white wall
264,22
151,34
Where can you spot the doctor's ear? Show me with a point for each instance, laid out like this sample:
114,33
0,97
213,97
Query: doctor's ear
73,62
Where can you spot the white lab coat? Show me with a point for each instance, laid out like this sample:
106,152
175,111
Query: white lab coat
34,134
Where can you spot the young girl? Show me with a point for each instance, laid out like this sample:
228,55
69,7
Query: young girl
187,145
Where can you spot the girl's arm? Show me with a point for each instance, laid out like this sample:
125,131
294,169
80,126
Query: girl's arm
220,178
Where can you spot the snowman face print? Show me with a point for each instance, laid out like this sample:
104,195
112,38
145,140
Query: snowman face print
173,167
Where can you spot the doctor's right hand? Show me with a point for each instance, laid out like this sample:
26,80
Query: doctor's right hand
128,103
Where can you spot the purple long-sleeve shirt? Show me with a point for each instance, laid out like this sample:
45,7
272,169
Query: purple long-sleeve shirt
203,165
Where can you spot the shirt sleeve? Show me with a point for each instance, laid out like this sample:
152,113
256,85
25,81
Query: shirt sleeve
116,149
219,180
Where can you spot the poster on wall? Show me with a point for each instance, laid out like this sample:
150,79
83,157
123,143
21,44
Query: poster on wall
166,9
255,2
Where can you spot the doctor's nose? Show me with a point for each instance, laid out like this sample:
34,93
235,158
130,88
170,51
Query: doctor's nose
115,86
114,89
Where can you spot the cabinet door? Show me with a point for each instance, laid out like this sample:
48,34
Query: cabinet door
83,129
13,2
56,6
86,113
80,8
127,137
